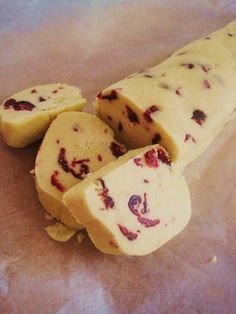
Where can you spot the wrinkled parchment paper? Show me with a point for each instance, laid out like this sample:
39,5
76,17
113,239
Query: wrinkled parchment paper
92,44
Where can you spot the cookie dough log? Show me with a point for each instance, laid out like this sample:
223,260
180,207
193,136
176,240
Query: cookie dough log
75,145
183,103
26,115
133,205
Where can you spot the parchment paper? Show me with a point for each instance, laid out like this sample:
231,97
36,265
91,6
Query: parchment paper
92,44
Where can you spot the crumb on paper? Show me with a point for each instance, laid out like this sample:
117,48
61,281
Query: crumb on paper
80,237
48,217
214,259
59,232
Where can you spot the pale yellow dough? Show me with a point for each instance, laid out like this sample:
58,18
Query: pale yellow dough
184,102
84,142
101,201
59,232
22,127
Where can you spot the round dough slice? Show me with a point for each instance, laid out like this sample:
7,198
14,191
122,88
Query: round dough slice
134,205
75,145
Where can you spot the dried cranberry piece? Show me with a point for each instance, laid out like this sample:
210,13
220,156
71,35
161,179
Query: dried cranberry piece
145,206
188,65
84,169
9,103
198,116
205,68
120,126
112,96
127,233
149,111
55,182
207,84
138,162
104,191
134,202
148,75
151,158
132,116
108,202
148,222
178,91
63,162
99,157
79,161
156,138
18,105
163,156
117,149
24,105
189,136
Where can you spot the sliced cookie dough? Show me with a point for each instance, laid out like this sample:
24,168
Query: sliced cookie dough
134,205
183,103
76,144
26,115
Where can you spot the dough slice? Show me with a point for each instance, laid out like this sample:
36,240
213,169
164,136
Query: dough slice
26,115
76,144
134,205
